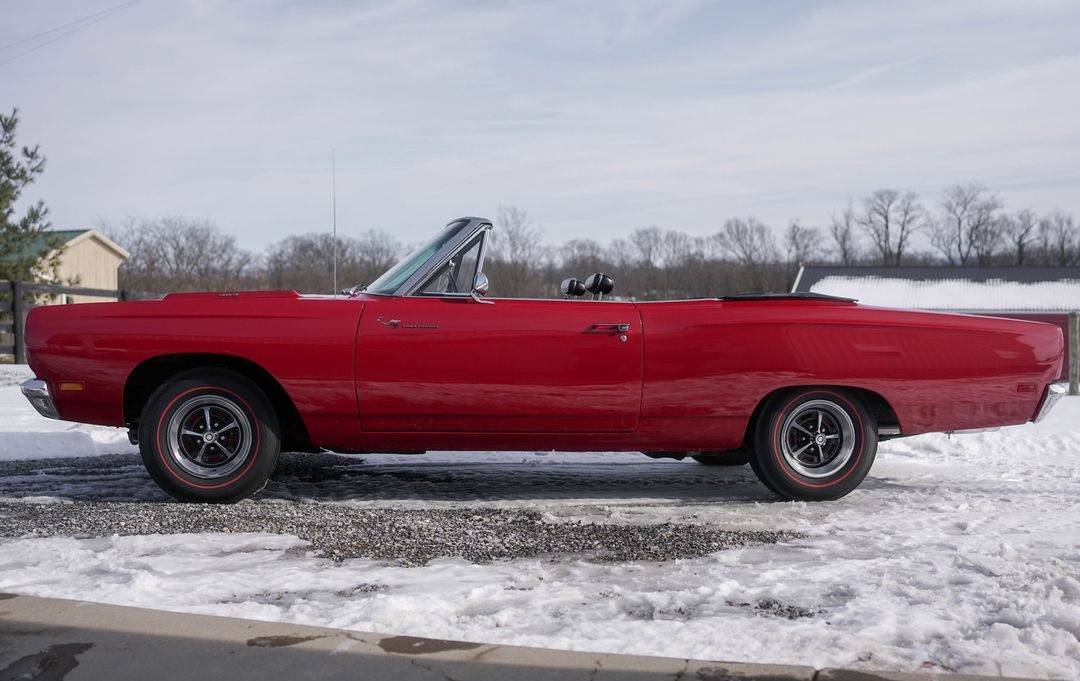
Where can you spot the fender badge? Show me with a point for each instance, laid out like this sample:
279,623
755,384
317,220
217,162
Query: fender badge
398,324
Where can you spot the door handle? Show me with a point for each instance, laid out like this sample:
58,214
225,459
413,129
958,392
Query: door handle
611,328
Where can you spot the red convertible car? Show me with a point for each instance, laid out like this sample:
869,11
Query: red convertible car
213,386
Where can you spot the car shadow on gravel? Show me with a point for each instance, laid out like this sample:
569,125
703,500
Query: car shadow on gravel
340,478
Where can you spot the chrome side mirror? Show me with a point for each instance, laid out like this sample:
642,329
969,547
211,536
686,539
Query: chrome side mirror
480,288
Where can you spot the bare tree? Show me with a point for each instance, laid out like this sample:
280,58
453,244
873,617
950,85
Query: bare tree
1060,239
750,243
302,262
182,254
890,219
675,248
803,243
968,224
648,242
622,253
842,230
375,252
910,218
1019,231
517,254
582,256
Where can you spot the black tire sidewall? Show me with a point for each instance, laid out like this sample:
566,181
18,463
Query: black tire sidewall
181,485
777,474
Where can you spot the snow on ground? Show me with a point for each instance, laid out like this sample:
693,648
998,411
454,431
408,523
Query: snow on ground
24,434
958,554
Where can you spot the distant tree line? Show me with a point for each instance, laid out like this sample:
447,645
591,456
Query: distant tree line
966,225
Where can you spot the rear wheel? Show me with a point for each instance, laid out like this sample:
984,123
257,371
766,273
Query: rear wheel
814,444
209,435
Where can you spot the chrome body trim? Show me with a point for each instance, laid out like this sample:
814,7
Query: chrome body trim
888,430
37,392
972,431
1054,392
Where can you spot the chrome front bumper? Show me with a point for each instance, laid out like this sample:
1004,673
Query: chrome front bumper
37,391
1054,392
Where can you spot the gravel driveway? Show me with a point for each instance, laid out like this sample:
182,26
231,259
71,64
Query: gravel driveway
408,512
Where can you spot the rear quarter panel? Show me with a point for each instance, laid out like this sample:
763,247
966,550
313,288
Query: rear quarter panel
305,343
709,363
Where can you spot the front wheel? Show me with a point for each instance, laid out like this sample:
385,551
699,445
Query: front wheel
211,436
814,445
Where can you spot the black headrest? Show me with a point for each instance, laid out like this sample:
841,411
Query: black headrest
572,287
600,283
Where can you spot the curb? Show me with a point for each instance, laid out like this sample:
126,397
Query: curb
47,638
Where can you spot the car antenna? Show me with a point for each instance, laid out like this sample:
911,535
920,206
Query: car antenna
333,215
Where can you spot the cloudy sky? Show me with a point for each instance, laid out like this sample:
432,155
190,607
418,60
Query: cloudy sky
595,117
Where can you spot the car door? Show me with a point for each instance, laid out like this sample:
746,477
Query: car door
455,364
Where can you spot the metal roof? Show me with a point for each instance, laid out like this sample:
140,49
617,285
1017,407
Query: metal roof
968,289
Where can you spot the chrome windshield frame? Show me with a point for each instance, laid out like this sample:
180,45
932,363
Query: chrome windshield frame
465,236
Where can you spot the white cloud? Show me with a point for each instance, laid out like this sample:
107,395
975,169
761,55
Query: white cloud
599,116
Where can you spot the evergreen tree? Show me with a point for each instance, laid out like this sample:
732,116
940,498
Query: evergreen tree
28,251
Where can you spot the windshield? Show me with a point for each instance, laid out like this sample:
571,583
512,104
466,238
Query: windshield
397,275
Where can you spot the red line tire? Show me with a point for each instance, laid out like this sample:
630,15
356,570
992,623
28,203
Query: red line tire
814,444
209,435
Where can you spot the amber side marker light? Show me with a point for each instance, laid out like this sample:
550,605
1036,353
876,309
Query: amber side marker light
71,387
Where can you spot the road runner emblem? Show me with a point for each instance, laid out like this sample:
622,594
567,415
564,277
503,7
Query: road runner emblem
397,324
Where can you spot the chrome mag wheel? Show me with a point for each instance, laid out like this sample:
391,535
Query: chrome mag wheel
209,436
817,438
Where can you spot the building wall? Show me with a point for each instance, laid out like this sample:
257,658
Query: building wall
93,265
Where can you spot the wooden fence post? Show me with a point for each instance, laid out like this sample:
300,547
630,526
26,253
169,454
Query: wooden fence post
1074,353
18,321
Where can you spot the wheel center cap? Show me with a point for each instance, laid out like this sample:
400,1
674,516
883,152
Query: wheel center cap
208,437
819,439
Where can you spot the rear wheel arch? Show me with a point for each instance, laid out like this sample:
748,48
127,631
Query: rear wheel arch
148,376
883,412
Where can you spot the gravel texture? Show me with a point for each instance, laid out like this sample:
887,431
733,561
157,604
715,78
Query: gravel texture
102,496
405,536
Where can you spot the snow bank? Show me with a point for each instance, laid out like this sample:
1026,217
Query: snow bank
25,434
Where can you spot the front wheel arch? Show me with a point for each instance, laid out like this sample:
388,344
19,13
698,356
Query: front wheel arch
152,373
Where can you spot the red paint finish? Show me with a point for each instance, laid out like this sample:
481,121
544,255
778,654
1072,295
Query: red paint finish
1060,320
512,366
401,374
305,343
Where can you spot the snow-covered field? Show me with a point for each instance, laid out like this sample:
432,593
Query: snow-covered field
957,554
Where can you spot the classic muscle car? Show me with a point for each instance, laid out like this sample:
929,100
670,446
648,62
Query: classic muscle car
213,386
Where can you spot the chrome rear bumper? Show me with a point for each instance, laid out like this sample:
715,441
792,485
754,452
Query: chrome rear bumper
37,391
1054,392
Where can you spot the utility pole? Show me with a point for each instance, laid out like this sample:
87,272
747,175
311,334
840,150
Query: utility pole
1074,353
